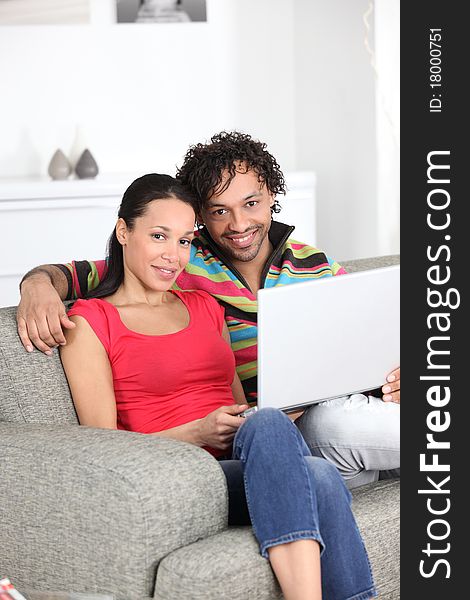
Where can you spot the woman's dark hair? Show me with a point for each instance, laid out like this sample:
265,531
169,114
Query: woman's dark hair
205,164
134,202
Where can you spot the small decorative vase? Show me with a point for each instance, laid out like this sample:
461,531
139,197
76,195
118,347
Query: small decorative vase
86,167
59,166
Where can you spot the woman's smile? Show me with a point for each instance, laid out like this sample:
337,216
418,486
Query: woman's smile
166,273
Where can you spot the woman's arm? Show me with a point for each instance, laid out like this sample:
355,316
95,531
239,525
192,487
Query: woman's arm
216,430
237,388
89,374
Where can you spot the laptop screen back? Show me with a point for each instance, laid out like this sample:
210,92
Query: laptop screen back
327,338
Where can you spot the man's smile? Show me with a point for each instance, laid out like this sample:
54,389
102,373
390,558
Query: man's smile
242,240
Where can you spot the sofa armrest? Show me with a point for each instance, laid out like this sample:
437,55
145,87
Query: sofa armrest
96,510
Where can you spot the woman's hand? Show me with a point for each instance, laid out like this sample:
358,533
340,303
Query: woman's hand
391,389
219,427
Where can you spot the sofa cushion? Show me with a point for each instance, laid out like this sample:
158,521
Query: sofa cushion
229,566
33,386
226,566
377,510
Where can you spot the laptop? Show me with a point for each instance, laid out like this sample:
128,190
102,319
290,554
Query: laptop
332,337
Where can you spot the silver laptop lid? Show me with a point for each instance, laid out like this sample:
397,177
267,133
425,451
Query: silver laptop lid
327,338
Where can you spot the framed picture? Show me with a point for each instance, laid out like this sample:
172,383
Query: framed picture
160,11
44,12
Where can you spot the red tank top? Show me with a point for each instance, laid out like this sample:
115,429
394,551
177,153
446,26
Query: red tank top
162,381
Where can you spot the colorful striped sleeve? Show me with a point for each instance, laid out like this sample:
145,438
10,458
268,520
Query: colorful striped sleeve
82,276
336,268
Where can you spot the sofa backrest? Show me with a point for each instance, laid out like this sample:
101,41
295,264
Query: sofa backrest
364,264
33,386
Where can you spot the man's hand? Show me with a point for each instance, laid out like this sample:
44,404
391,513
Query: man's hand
218,429
41,315
391,389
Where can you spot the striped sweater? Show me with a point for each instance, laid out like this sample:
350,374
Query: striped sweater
210,270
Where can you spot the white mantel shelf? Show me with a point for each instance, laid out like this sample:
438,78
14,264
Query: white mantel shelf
44,188
46,221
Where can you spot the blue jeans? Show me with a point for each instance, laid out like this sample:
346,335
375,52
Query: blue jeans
287,495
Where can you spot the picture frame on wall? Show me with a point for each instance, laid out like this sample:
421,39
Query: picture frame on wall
45,12
160,11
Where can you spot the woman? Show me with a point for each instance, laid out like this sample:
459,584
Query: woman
159,361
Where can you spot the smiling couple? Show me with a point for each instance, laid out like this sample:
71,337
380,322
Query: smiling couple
149,351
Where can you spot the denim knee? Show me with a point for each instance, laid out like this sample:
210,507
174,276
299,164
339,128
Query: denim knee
269,421
268,417
326,478
263,429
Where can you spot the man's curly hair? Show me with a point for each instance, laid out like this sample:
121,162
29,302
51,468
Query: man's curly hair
205,164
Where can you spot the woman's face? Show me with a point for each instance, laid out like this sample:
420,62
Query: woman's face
158,247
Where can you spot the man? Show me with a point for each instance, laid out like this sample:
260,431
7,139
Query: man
238,250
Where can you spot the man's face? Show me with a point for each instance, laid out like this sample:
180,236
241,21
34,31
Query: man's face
239,218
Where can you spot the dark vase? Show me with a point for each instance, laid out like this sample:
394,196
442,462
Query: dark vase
86,167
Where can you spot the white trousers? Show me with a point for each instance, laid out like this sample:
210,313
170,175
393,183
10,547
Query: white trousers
359,434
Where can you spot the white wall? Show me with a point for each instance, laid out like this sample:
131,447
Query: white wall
335,122
387,61
294,73
143,93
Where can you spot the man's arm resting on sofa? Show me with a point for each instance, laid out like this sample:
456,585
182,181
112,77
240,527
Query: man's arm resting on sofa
41,314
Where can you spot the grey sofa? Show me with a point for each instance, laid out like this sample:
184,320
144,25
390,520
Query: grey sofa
132,515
